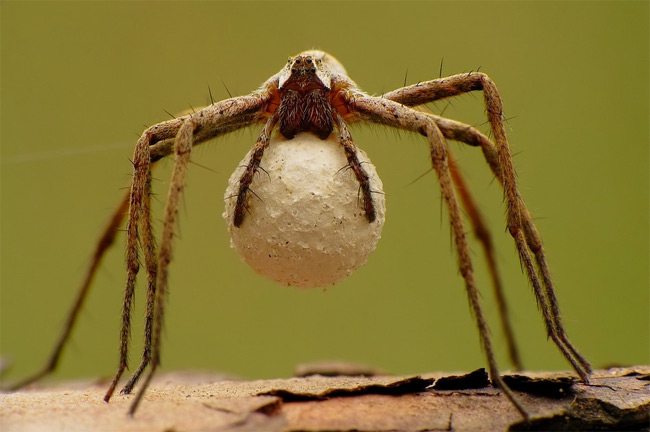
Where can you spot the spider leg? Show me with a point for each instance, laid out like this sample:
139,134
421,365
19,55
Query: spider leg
464,133
106,240
483,235
156,143
149,245
253,165
148,242
519,221
560,337
216,120
210,122
141,178
386,112
182,150
355,165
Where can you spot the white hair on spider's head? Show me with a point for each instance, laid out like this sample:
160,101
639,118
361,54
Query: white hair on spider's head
327,66
332,63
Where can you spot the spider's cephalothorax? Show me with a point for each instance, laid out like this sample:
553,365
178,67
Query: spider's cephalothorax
305,105
313,94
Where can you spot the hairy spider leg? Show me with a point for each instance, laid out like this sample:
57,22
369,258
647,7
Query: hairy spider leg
212,121
519,221
387,112
483,235
345,139
106,240
253,165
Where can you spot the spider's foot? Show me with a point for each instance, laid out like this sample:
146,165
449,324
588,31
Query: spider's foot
369,207
238,218
240,207
368,204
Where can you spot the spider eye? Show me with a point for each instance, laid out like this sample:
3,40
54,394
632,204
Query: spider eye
309,60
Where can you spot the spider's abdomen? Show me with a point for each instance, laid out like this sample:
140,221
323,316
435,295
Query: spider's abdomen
309,111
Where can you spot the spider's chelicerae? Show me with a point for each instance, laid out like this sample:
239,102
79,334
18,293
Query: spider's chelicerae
313,94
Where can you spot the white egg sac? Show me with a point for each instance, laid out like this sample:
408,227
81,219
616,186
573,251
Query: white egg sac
304,223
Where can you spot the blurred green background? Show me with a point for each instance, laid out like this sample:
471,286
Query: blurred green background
81,80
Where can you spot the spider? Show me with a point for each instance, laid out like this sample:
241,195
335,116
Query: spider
312,93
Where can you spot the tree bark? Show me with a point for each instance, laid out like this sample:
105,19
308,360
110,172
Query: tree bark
616,399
